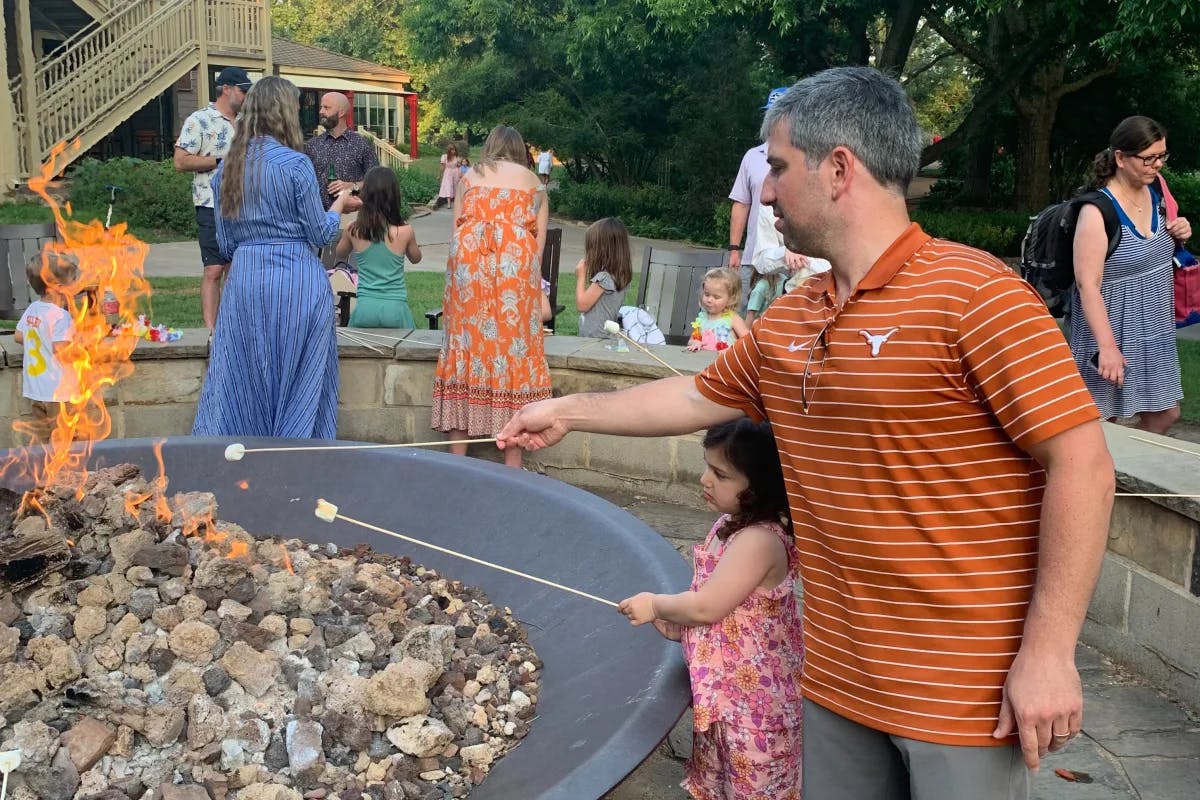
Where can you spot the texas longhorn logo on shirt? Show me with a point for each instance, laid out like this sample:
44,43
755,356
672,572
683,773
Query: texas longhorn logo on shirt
877,340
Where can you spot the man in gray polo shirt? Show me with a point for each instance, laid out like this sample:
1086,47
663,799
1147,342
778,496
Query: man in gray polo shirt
204,140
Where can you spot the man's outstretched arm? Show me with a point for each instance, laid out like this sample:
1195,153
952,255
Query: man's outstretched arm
666,407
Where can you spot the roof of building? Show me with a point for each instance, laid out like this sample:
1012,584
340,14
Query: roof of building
286,53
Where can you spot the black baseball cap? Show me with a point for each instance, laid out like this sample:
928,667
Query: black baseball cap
234,76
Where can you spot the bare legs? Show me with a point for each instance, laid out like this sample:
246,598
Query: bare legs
1158,421
512,456
210,293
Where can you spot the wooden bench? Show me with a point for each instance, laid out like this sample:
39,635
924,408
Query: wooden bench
18,244
670,287
551,255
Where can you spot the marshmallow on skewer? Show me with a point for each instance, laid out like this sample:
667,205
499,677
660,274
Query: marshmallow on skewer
326,511
9,760
611,326
235,451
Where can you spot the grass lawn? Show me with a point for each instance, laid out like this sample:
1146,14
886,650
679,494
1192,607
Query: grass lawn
30,213
1189,363
176,301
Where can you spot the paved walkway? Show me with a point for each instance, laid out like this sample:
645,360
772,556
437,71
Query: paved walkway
1137,744
433,228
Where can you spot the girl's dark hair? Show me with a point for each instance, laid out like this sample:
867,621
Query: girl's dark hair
1132,135
606,248
749,447
381,198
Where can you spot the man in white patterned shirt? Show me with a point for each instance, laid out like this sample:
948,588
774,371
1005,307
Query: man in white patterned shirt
205,139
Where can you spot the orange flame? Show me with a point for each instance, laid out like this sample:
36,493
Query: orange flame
133,503
243,485
287,559
110,265
162,509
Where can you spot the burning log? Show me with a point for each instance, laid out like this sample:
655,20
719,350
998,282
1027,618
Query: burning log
29,551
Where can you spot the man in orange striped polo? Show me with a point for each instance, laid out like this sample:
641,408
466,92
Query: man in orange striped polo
949,483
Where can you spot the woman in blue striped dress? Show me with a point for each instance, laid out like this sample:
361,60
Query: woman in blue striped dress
272,368
1121,324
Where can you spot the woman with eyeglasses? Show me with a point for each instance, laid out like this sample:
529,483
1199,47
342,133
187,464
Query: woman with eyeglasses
1120,317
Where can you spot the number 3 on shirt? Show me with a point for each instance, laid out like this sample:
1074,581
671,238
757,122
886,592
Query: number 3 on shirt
35,352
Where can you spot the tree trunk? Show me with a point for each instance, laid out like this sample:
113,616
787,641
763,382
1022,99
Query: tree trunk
900,36
1036,105
977,186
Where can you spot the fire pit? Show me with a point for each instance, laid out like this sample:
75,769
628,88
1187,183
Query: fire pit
609,693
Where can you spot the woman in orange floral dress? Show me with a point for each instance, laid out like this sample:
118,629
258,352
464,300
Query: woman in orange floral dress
493,360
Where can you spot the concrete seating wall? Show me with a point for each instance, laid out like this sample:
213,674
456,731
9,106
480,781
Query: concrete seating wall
1145,612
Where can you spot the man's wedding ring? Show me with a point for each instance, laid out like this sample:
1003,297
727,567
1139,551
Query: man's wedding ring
1060,735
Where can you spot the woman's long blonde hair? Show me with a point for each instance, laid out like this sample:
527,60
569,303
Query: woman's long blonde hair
502,144
272,108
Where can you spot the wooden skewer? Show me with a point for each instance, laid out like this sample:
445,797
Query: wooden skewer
362,342
612,327
371,335
1165,494
328,512
1165,446
358,333
235,451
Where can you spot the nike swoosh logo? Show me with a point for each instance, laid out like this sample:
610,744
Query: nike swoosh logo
793,347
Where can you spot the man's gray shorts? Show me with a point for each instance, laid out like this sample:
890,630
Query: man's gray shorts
847,761
206,225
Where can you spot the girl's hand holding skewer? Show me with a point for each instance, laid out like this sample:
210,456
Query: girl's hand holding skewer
639,608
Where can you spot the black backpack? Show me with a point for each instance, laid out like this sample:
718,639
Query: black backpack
1048,249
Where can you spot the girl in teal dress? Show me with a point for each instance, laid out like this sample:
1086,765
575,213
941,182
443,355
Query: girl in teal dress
380,239
718,326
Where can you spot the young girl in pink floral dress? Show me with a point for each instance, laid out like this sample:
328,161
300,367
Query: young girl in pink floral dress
740,626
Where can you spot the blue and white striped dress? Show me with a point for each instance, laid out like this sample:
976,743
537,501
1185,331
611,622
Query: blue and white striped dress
1137,288
272,369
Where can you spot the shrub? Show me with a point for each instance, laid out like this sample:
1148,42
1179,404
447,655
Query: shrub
647,210
155,195
417,186
1185,187
995,231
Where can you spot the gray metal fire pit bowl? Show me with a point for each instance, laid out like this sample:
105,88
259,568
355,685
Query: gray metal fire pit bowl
609,693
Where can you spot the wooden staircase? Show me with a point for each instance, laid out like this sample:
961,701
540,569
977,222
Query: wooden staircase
133,52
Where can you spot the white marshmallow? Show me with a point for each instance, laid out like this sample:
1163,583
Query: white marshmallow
235,451
326,511
612,326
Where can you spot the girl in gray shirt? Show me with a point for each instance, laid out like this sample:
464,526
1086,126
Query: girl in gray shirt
603,274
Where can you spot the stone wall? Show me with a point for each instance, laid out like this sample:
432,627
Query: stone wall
1145,613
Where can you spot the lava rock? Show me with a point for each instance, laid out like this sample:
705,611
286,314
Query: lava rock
255,671
399,691
171,559
306,756
420,736
194,641
143,602
216,680
160,660
60,779
276,754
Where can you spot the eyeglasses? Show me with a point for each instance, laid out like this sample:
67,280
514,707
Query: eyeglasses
818,341
1148,161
